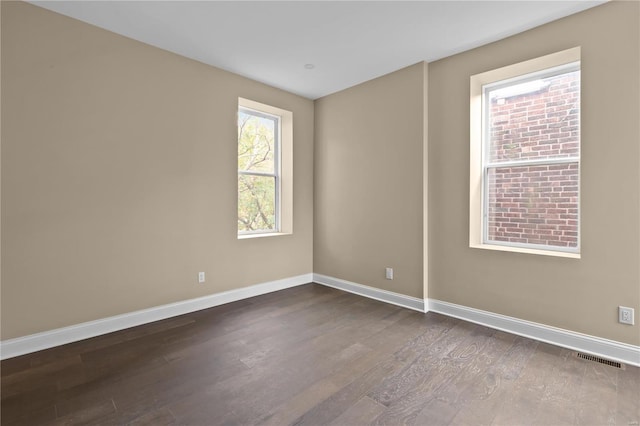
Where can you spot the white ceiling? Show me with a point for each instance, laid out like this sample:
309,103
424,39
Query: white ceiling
348,41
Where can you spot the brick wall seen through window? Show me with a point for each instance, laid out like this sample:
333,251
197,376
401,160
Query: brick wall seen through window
534,203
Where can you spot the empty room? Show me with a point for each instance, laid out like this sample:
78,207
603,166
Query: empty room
320,212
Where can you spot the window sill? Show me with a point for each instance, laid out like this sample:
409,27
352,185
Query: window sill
266,234
570,255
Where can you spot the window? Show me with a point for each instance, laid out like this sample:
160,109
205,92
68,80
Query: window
525,153
258,170
264,170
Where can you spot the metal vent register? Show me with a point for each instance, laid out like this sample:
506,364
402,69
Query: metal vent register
600,360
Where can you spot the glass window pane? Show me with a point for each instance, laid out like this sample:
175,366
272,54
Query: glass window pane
533,204
256,142
535,119
256,203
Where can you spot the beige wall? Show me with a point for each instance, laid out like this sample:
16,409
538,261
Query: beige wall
368,182
580,295
119,176
118,179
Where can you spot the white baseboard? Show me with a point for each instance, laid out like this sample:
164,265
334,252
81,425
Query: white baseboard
35,342
622,352
609,349
371,292
617,351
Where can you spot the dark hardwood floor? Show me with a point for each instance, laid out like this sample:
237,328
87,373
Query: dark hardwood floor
312,355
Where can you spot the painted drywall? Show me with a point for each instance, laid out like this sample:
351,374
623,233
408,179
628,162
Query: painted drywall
368,182
118,179
119,176
576,294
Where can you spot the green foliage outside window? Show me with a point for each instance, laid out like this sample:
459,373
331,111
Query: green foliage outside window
257,167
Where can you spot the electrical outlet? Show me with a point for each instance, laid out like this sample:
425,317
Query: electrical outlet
389,273
200,277
625,315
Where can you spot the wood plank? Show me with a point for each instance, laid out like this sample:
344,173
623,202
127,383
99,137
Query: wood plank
72,414
446,402
362,412
483,399
260,387
523,402
560,397
41,399
28,416
437,342
292,408
428,375
162,416
314,355
329,409
598,394
357,382
15,365
628,403
26,380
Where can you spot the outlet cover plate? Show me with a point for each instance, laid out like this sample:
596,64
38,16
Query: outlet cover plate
625,315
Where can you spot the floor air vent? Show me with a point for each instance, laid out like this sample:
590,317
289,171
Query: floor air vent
600,360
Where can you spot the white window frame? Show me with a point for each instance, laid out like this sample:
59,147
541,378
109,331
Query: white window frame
283,167
276,168
553,64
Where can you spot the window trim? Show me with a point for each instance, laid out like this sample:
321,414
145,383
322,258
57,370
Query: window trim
478,168
283,168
